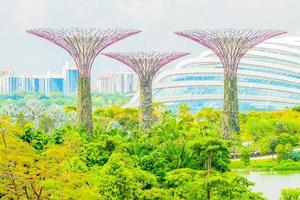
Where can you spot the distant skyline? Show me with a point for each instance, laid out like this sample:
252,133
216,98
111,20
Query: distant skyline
60,69
158,19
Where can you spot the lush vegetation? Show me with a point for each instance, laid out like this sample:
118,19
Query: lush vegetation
290,194
21,99
181,157
266,165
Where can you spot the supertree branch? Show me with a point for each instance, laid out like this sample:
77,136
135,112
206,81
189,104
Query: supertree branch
83,44
146,65
230,45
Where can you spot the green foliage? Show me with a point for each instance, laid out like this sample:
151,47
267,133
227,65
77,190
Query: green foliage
99,99
37,138
57,136
292,155
156,194
245,154
181,157
19,172
46,123
193,184
213,153
290,194
267,165
119,179
287,165
98,152
286,138
282,150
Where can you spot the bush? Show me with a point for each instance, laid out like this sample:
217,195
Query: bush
245,154
57,136
287,165
267,165
292,155
98,152
290,194
37,138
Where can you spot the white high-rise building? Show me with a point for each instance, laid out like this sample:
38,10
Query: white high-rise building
66,83
28,84
9,82
117,82
4,74
104,84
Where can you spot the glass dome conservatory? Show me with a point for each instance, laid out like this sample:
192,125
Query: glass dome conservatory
268,79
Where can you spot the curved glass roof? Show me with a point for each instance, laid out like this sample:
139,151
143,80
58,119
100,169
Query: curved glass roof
270,71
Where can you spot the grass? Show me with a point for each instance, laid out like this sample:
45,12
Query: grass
266,165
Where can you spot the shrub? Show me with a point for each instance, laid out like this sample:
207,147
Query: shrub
37,138
290,194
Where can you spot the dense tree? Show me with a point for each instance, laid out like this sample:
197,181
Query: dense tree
20,175
245,154
213,151
181,157
196,185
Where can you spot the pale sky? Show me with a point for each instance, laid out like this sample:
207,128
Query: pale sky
158,19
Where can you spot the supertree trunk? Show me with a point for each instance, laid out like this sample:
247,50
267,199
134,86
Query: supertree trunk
146,104
84,103
231,110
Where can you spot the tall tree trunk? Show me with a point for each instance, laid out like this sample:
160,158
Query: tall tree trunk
209,160
3,133
84,103
231,111
208,194
146,104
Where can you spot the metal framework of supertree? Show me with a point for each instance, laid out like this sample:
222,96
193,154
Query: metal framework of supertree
230,45
83,44
146,65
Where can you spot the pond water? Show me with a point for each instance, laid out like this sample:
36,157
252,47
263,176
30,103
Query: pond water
271,183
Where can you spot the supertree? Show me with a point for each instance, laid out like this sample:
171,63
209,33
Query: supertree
83,44
230,45
146,65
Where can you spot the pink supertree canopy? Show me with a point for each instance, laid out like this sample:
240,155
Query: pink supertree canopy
83,44
145,63
230,45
